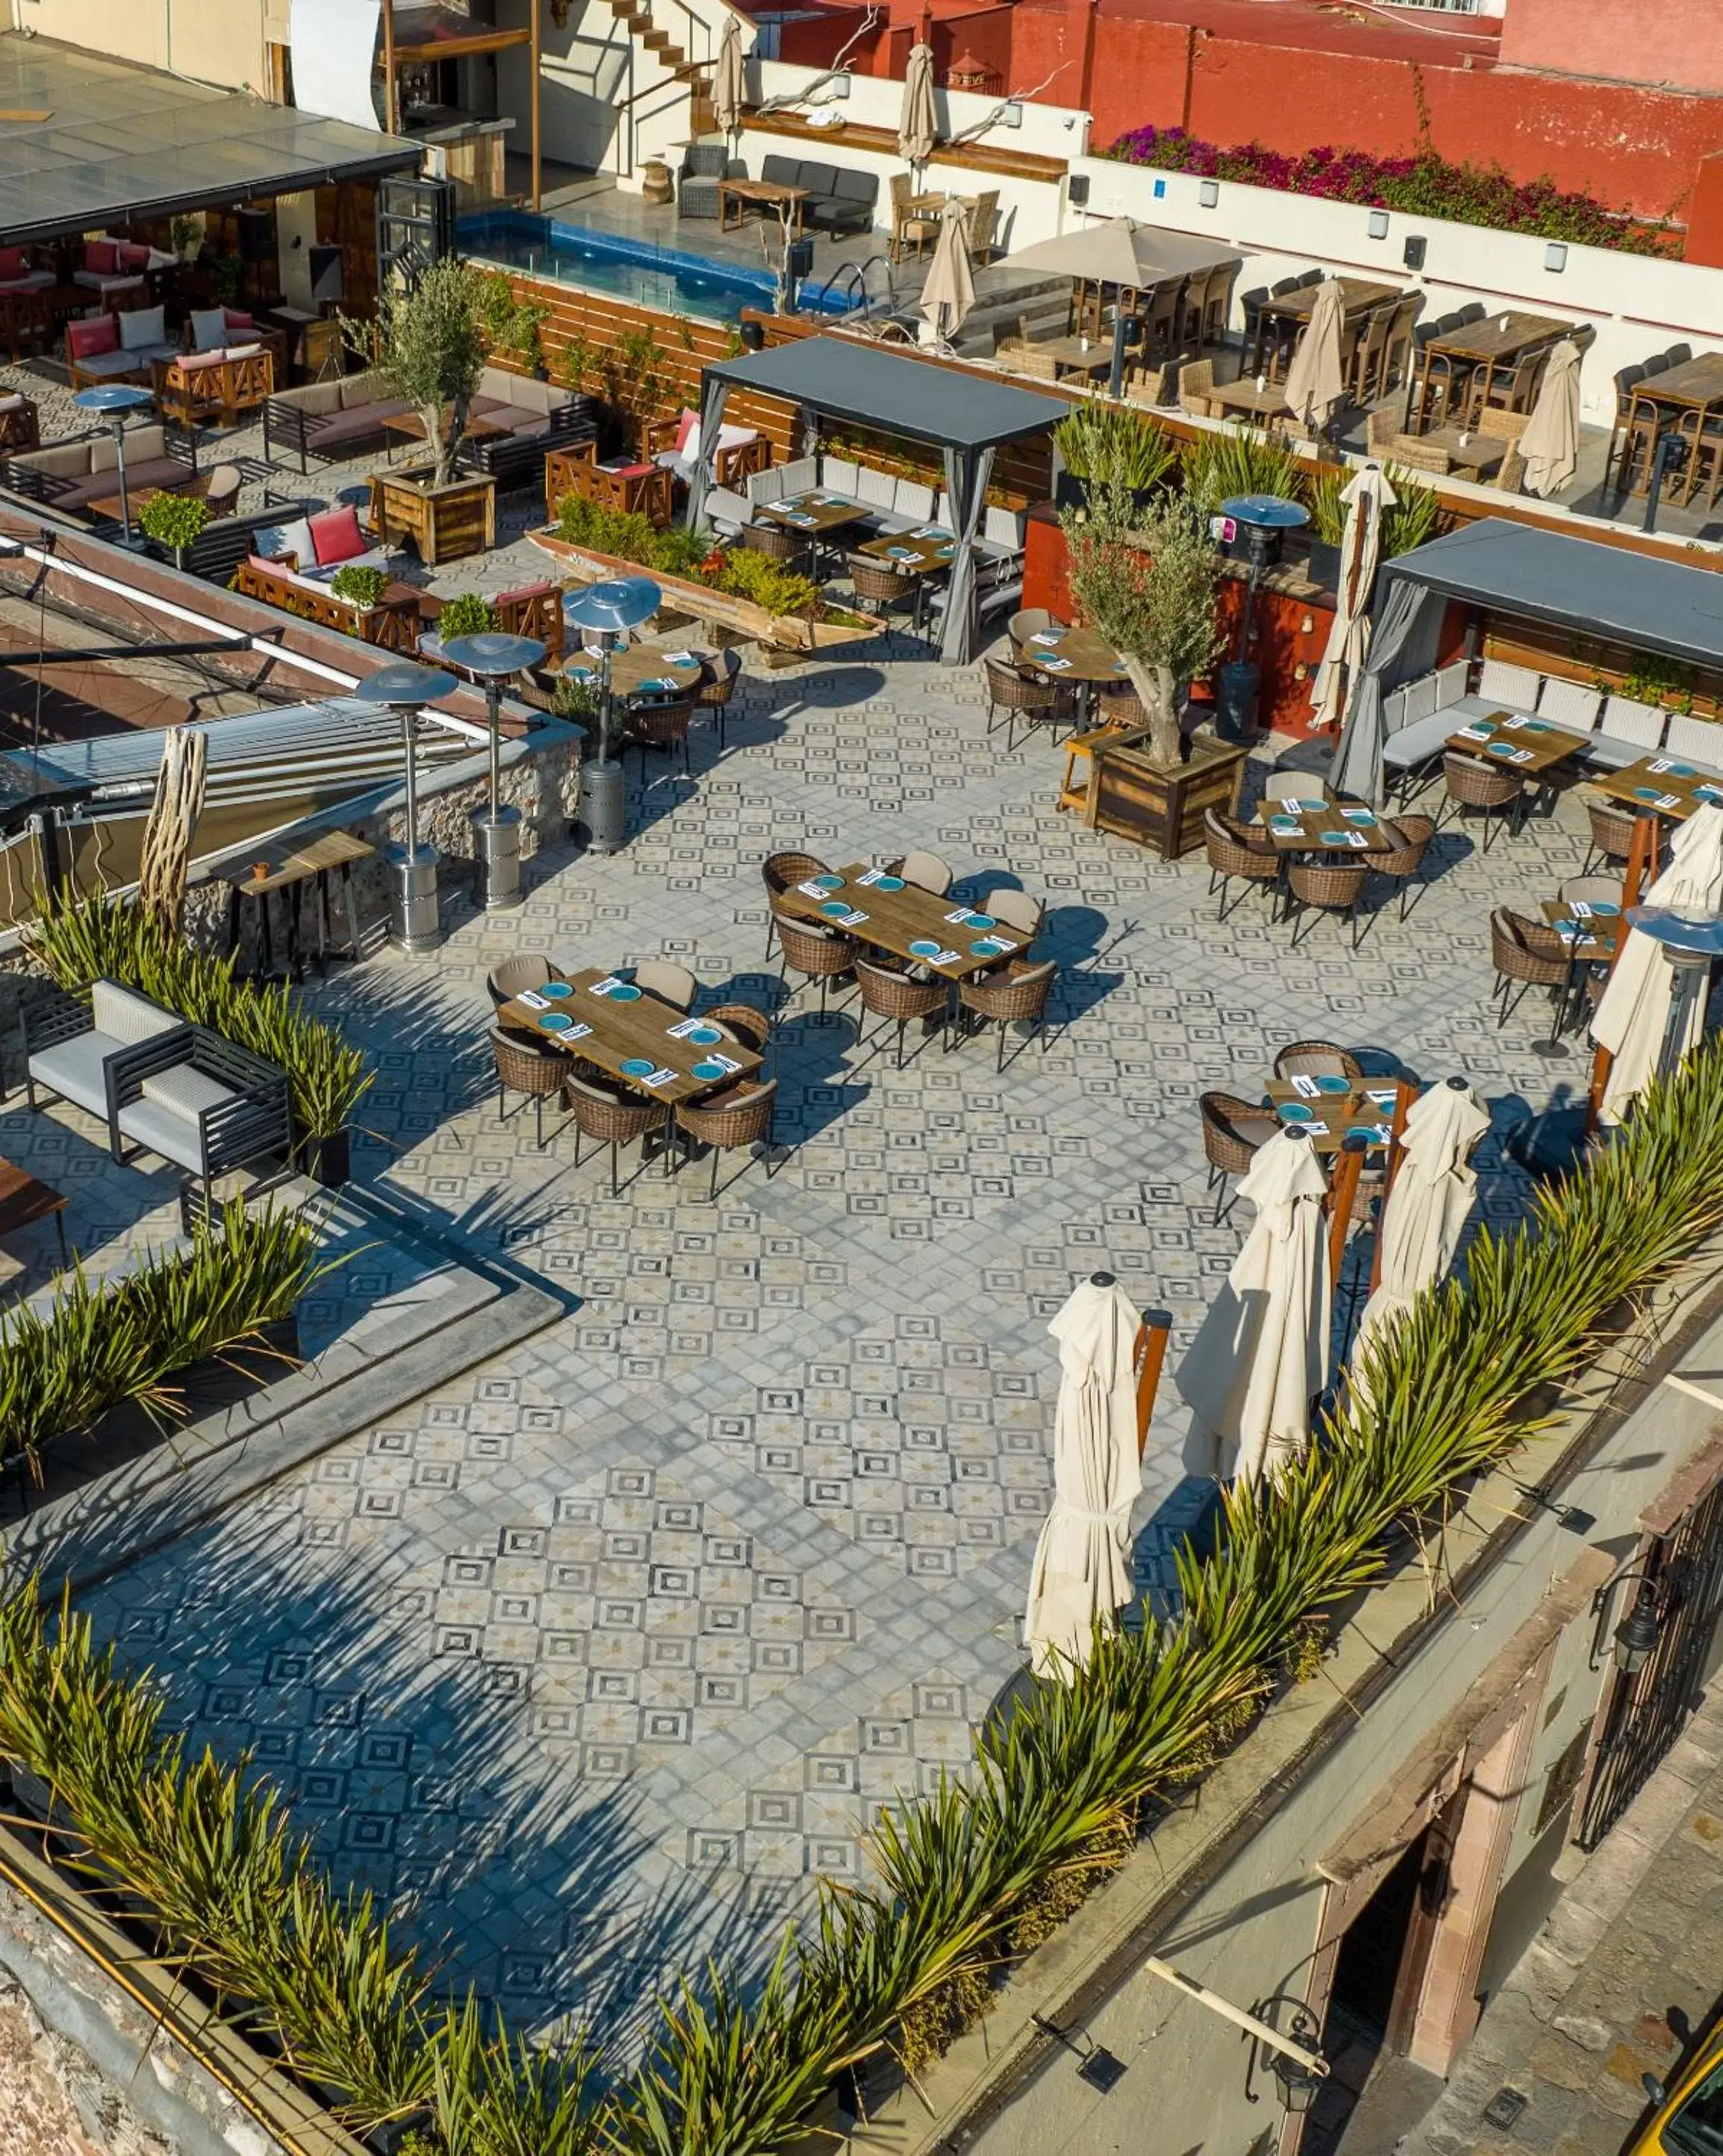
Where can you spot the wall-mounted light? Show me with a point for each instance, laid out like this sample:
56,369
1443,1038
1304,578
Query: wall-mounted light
1307,624
1634,1640
1011,114
1556,256
1379,224
1298,2074
838,87
1208,194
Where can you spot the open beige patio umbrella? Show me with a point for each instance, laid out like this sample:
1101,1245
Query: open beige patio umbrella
1431,1197
729,89
918,123
1260,1355
1367,494
1118,250
1081,1576
171,824
1551,443
1317,380
1634,1014
949,293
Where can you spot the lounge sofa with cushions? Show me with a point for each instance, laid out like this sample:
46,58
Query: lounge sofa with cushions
310,550
329,419
894,504
114,269
837,199
539,417
674,443
117,347
70,476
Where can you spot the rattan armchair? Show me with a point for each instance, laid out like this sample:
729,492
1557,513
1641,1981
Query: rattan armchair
777,542
818,954
725,669
1015,993
899,1000
670,983
660,725
730,1123
1316,886
1232,852
1412,834
876,584
1528,954
614,1118
525,969
525,1066
1016,909
783,872
1472,783
1612,832
1318,1059
1021,696
925,870
751,1027
1232,1131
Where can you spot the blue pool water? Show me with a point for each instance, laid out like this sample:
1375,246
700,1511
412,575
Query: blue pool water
660,277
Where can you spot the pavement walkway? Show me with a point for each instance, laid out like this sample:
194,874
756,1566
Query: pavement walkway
1623,1980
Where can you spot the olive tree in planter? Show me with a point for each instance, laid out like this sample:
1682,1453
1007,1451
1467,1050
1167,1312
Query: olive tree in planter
1147,584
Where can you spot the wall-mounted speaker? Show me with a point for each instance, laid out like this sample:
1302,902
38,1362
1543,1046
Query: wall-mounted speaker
256,234
1416,248
1077,189
325,276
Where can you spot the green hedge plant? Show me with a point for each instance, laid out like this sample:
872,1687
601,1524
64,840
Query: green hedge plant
361,584
173,520
468,614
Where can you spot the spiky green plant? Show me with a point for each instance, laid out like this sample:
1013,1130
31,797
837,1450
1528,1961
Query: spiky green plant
1228,462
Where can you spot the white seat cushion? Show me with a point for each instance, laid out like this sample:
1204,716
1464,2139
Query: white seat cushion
1420,698
838,475
914,498
126,1017
1423,738
1569,704
1450,682
1515,686
1609,754
1393,712
73,1069
877,488
187,1091
164,1131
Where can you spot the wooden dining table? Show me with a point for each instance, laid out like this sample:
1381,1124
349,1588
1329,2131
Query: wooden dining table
1690,395
907,921
643,669
1358,296
1497,341
913,555
1330,1116
815,513
1316,826
1073,655
625,1030
1532,746
1266,406
1666,786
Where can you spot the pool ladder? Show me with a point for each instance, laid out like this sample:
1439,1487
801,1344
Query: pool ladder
849,280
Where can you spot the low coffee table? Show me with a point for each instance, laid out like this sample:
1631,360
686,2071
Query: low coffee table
24,1199
762,195
137,497
410,427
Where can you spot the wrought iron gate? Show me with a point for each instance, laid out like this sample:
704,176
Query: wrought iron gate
1646,1712
415,227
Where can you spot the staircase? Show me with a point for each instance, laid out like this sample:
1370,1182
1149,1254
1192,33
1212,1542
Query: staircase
636,18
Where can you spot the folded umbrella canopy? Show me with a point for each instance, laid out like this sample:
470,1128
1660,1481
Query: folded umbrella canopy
1317,380
1081,1576
1551,443
918,123
1260,1356
1428,1205
1367,494
729,88
949,293
1634,1014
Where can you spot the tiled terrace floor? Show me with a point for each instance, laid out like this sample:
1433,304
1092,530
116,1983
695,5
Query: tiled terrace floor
606,1652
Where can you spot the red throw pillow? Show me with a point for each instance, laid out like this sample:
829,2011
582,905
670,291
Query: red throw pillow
686,426
86,340
132,256
336,536
12,263
101,257
236,320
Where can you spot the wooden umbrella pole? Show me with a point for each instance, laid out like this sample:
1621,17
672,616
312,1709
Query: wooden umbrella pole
1641,870
392,115
1405,1093
1342,1189
1148,1354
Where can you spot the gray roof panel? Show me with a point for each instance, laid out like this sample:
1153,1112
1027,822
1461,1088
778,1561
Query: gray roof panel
875,387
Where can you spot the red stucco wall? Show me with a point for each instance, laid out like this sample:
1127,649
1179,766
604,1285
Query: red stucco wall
1675,41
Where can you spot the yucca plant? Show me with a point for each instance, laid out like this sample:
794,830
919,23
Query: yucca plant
1110,445
1414,517
1224,462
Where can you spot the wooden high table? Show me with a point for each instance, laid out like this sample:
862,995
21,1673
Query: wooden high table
1264,407
631,1029
899,921
333,853
1497,341
1691,395
1358,296
1661,785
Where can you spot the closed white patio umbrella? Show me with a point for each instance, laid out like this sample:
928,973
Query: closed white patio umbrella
918,123
1551,443
1260,1356
1367,494
1428,1208
949,293
729,88
1634,1014
1317,380
1081,1576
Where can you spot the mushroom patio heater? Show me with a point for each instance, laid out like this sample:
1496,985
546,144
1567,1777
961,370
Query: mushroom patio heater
403,688
603,614
1692,943
1262,518
493,657
111,401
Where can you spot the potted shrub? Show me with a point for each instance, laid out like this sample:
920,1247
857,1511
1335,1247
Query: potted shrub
187,233
1416,512
173,521
468,614
1109,444
1328,524
361,584
1220,465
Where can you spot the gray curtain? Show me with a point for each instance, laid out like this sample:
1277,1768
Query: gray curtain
1404,630
967,472
713,393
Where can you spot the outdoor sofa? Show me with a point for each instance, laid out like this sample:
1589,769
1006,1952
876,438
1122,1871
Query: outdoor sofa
1418,718
108,348
329,419
538,417
70,476
837,200
894,504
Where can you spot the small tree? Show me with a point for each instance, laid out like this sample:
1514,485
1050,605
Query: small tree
428,343
1151,592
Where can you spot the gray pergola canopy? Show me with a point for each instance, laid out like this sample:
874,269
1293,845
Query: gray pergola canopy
966,415
123,142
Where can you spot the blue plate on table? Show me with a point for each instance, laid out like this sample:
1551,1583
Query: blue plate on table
981,920
1295,1111
889,883
555,989
556,1021
1357,815
1285,825
1336,837
1682,771
922,947
1534,726
709,1070
637,1067
580,672
834,909
625,992
986,948
704,1036
1604,910
1499,748
1334,1085
1646,793
826,882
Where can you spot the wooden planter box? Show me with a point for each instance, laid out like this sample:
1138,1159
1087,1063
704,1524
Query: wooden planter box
1133,797
443,522
393,624
720,609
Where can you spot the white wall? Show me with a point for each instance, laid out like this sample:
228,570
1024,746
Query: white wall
590,69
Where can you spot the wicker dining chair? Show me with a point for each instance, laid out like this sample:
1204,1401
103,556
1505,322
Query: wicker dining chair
732,1122
1028,622
615,1119
1528,954
783,872
751,1027
778,542
898,1000
885,588
1318,1059
667,981
663,726
1472,783
1020,697
1316,887
1611,830
1232,852
819,954
1590,890
1016,909
1014,993
1232,1131
1412,835
714,695
524,969
524,1066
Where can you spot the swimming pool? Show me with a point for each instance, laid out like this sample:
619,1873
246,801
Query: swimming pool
659,277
